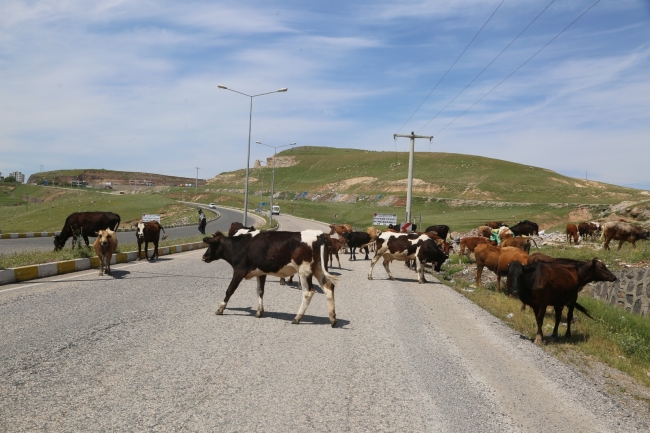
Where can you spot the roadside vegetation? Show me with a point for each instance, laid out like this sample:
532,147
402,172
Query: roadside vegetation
39,257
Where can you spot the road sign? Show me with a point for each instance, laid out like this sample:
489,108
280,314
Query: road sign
146,217
383,219
262,203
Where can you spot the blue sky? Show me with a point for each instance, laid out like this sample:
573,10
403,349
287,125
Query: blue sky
132,85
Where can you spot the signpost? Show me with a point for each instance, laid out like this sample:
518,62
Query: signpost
384,219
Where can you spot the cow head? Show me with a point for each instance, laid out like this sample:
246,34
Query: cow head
139,230
215,247
59,242
601,271
105,236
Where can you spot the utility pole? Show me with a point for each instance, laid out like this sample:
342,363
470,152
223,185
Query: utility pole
196,187
409,190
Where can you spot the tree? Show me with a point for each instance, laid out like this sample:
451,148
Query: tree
10,179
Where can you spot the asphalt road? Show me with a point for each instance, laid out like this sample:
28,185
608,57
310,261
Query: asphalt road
142,350
10,246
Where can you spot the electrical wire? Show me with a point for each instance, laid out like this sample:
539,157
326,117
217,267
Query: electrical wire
520,66
489,64
453,64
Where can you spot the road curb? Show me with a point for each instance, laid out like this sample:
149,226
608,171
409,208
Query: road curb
45,234
32,272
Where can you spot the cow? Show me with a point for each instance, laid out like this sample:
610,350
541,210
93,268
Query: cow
526,228
402,247
105,246
594,229
541,284
583,230
621,231
489,257
442,230
149,232
339,229
521,242
237,228
336,245
85,224
509,255
571,233
485,231
505,233
357,240
469,243
495,224
277,253
374,234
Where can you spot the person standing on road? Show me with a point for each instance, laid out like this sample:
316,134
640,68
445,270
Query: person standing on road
202,221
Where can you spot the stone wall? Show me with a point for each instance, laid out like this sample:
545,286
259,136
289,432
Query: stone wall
631,291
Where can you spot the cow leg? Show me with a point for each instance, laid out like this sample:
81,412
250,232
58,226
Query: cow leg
328,288
85,236
372,265
336,253
498,283
479,273
101,265
620,244
307,293
569,318
558,318
420,269
367,258
108,264
260,296
234,283
146,250
155,250
540,312
139,250
386,263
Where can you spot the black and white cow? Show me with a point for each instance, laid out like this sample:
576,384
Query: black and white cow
277,253
402,247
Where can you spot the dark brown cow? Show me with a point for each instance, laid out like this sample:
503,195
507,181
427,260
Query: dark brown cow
85,224
441,230
542,284
571,233
583,230
149,232
402,247
620,231
277,253
469,243
525,228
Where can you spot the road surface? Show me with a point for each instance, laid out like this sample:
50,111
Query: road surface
142,350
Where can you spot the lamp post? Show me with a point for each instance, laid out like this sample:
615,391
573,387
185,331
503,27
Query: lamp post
248,157
275,150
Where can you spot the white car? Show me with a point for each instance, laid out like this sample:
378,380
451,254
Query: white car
275,210
212,206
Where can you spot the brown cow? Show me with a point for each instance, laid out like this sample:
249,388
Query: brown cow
489,257
620,231
485,231
542,284
521,242
149,232
495,224
571,233
105,246
339,229
583,230
469,243
335,246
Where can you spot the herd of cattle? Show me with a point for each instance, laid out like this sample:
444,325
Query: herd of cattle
537,279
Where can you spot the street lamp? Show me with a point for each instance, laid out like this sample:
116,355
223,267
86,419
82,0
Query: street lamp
275,149
248,157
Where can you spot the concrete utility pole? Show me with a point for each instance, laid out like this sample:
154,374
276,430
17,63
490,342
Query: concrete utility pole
196,187
409,190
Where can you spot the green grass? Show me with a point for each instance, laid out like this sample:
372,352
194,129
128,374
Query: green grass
613,259
39,257
57,204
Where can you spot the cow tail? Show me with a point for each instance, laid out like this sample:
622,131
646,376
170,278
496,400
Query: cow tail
322,262
583,310
164,234
118,223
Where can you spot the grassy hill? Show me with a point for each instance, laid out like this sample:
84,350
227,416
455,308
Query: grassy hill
462,191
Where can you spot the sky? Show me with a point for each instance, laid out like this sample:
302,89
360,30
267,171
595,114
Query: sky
133,85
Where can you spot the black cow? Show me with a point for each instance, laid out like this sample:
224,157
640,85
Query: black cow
85,224
277,253
525,228
357,240
541,284
149,232
442,230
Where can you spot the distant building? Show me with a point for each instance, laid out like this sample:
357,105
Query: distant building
20,178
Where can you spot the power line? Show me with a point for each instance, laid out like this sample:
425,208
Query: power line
452,65
520,66
489,64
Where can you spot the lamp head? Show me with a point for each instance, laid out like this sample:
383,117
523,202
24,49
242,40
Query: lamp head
284,89
221,86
